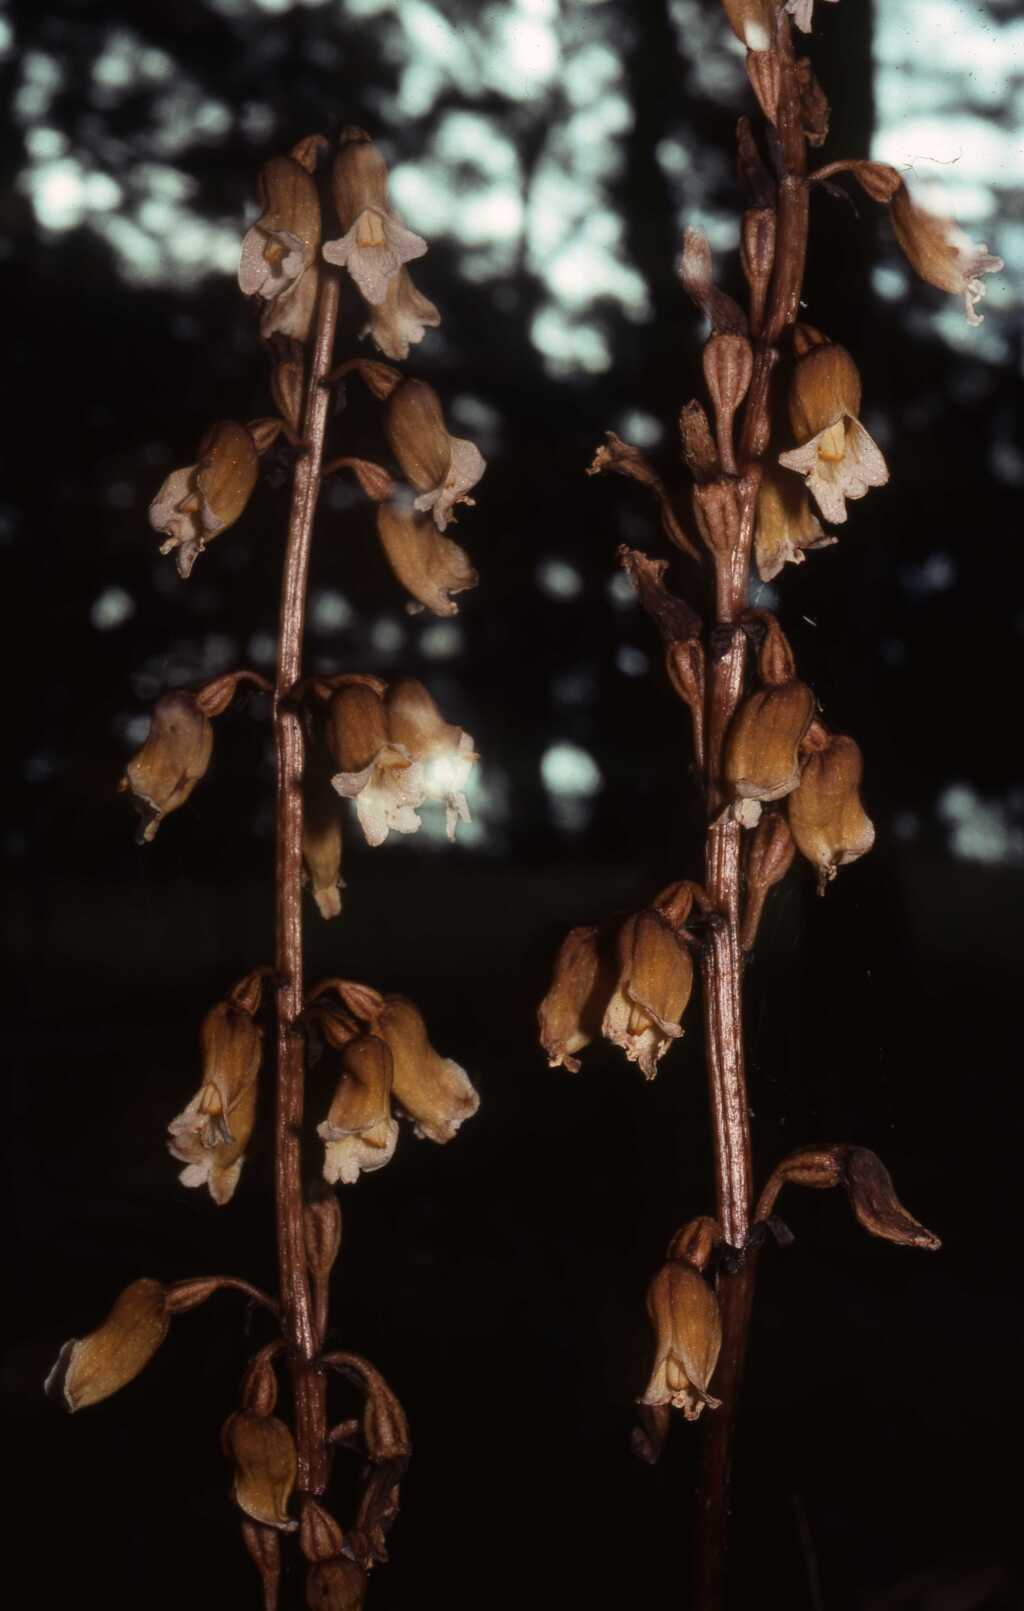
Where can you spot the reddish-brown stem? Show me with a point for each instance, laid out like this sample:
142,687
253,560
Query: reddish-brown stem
723,957
298,1321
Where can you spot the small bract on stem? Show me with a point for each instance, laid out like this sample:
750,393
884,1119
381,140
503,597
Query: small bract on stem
387,747
775,455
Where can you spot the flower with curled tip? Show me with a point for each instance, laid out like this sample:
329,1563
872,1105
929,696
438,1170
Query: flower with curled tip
435,1092
428,565
278,261
171,762
262,1451
826,817
373,245
402,319
91,1368
941,253
654,980
359,1133
196,504
688,1338
835,453
570,1015
210,1136
441,468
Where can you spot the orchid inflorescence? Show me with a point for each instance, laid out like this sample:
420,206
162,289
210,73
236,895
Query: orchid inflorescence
775,456
386,747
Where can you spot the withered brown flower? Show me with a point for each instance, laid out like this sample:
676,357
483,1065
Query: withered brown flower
429,566
826,816
89,1369
941,253
171,762
262,1450
570,1015
652,988
688,1331
434,1091
761,759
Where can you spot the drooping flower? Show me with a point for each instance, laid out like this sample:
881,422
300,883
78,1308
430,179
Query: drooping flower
835,453
444,753
359,1133
826,817
941,253
91,1368
196,504
653,985
786,525
441,468
688,1332
570,1015
171,762
262,1451
428,565
402,319
278,261
762,746
434,1091
210,1136
374,245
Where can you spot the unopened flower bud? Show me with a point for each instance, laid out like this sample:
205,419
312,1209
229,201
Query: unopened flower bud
696,274
728,368
757,254
752,21
195,504
770,853
652,988
688,1338
321,848
320,1537
287,386
321,1232
570,1014
171,762
336,1585
262,1451
698,442
374,245
91,1368
435,1092
761,760
359,1132
428,565
941,253
764,71
826,817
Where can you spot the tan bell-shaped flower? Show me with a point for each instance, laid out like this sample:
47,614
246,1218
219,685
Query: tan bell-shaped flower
761,759
752,21
441,468
262,1450
941,253
652,987
171,762
428,565
210,1136
434,1091
359,1133
688,1338
835,453
570,1015
378,774
826,817
90,1368
374,245
211,1160
402,319
195,504
336,1585
443,753
282,243
786,525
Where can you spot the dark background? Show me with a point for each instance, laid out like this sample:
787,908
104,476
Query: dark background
499,1282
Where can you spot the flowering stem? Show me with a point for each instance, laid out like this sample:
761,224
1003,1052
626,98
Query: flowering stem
723,958
298,1321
